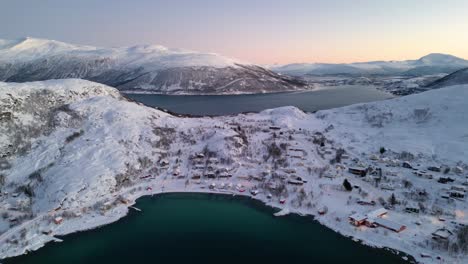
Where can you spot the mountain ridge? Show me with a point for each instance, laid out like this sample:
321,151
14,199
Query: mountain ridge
141,68
433,63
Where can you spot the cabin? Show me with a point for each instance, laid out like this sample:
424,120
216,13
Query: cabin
387,187
434,168
445,180
458,188
199,167
457,194
407,165
200,155
442,234
458,170
275,128
295,182
366,202
124,200
58,220
390,225
412,209
377,213
196,176
5,116
357,219
210,175
358,171
213,160
225,175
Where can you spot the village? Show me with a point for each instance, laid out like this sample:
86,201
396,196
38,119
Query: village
377,192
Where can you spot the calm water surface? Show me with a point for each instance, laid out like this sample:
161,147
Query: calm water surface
233,104
203,228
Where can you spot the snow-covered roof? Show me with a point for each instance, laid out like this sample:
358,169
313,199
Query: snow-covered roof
377,213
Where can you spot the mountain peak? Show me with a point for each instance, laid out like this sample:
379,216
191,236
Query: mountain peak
440,58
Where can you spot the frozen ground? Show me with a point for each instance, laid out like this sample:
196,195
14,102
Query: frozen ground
77,153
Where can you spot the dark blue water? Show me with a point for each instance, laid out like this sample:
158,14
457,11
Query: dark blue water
233,104
203,228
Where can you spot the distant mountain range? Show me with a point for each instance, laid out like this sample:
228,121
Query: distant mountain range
143,69
428,65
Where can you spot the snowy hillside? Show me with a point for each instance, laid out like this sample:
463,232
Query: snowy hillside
457,78
428,65
82,154
142,69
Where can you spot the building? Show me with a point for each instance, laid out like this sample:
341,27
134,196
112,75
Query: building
442,234
407,165
412,209
457,194
366,202
358,171
434,169
385,223
357,219
58,220
377,213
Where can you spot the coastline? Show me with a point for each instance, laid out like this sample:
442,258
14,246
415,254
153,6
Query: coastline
122,211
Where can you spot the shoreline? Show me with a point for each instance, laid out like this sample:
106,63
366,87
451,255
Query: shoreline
255,202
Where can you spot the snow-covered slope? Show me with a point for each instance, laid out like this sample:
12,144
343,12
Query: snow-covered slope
82,154
145,68
428,65
457,78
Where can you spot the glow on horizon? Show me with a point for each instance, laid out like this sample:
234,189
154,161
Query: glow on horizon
258,31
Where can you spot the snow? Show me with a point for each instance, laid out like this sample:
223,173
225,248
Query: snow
439,62
117,143
151,56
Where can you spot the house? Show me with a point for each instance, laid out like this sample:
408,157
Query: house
457,194
445,180
434,169
210,175
196,176
458,188
458,170
442,234
357,219
295,182
5,116
385,223
225,175
366,202
412,209
58,220
407,165
377,213
199,167
213,160
387,187
358,171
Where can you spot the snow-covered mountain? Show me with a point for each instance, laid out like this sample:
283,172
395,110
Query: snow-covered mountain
428,65
75,154
146,68
456,78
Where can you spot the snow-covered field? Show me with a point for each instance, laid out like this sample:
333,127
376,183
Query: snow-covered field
75,154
